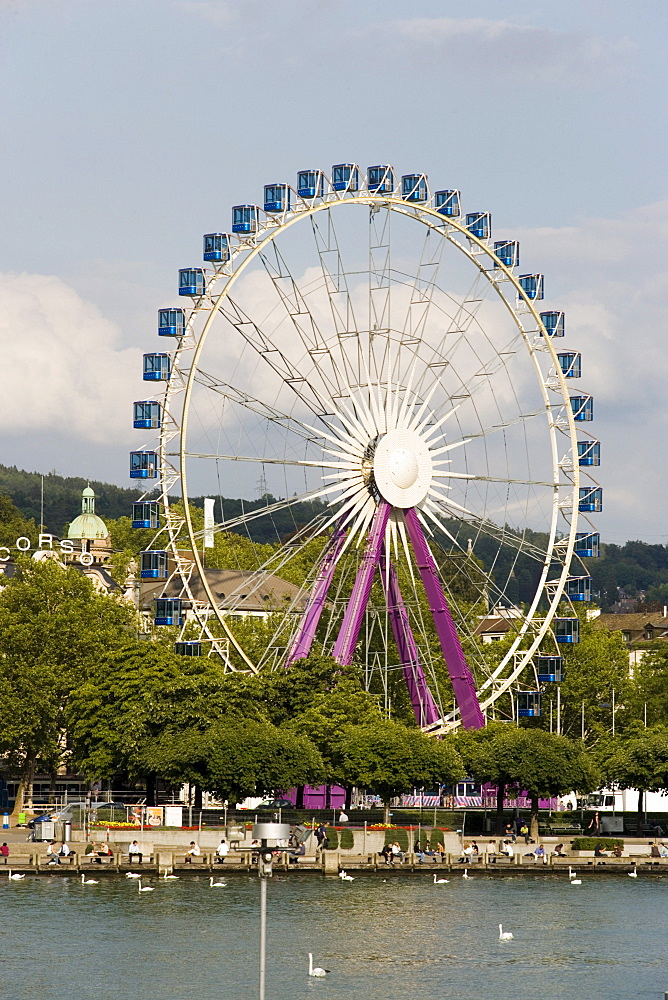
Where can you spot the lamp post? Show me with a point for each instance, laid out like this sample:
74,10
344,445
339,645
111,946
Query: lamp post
268,834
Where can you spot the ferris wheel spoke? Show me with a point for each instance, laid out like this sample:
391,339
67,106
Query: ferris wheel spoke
303,463
499,534
260,512
257,406
276,359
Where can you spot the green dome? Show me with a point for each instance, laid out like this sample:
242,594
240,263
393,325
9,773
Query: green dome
88,526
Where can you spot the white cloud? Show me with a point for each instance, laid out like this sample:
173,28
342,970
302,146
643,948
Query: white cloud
64,368
510,50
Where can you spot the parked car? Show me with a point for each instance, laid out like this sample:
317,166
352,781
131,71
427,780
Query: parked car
276,804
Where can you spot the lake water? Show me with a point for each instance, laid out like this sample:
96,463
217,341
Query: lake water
382,940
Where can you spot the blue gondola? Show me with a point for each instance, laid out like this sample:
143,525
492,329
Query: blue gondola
147,414
570,363
566,630
216,247
171,322
345,177
590,499
310,183
414,187
508,252
479,224
157,367
191,281
589,452
587,544
578,588
244,219
582,407
380,179
188,648
168,611
153,565
533,286
554,323
277,198
529,704
143,465
448,203
145,514
550,669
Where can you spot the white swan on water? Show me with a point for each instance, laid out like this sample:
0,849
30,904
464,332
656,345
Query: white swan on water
634,873
216,885
144,888
132,875
505,935
466,874
172,877
571,877
345,877
315,971
15,878
440,881
88,881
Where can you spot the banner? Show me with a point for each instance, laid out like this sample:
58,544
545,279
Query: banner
208,523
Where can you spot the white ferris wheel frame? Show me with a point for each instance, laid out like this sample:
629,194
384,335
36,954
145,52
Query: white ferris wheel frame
559,414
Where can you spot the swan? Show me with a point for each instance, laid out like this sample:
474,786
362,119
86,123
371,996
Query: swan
466,874
440,881
633,874
571,877
317,971
173,877
216,885
345,877
145,888
132,875
88,881
15,878
505,935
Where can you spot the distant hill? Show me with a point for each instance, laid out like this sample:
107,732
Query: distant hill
62,503
62,496
636,568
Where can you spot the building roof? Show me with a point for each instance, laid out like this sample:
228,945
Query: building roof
241,590
636,622
495,625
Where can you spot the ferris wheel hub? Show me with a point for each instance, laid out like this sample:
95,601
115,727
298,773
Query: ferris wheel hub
402,468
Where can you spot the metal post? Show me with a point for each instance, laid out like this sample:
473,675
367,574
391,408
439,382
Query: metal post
583,720
263,934
613,711
559,709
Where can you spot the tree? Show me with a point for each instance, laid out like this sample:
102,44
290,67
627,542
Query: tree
540,763
593,669
637,761
54,627
389,759
236,759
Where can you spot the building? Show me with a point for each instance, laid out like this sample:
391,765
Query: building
638,629
243,593
497,625
89,533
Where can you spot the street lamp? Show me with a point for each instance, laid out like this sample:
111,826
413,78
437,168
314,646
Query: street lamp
268,834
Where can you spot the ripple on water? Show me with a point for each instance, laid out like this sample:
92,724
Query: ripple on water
400,939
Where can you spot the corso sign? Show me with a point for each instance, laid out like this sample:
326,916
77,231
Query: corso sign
46,543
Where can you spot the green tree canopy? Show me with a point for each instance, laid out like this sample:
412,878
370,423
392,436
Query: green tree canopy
637,760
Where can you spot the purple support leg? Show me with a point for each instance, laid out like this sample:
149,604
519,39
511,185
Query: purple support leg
303,640
458,669
344,647
424,707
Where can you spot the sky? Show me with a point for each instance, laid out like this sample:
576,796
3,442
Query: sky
130,127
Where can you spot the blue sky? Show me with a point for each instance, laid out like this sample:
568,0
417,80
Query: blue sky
130,128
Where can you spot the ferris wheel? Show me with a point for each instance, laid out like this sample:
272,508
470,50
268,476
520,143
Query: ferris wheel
364,358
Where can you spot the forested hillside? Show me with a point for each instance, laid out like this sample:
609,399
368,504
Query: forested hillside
636,568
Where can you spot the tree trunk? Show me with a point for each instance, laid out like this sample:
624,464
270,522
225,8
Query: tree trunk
24,790
198,798
639,823
151,789
386,812
500,798
299,804
533,825
349,797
